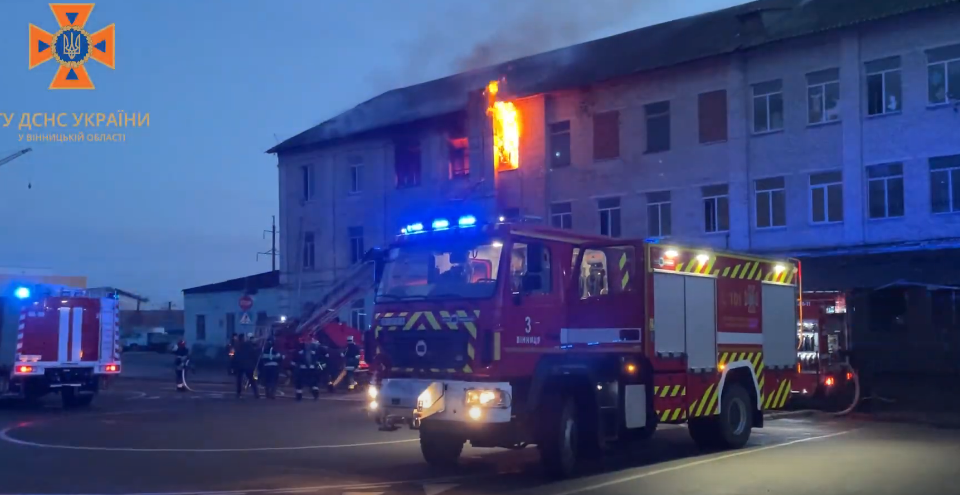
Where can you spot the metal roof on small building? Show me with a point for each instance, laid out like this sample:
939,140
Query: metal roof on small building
250,284
663,45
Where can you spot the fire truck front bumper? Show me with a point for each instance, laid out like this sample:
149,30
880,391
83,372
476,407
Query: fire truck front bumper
408,401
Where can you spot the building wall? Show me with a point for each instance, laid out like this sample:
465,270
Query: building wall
215,307
849,145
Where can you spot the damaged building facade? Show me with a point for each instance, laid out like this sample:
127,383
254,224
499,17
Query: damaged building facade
822,129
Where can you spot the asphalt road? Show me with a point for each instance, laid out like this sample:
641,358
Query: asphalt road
144,438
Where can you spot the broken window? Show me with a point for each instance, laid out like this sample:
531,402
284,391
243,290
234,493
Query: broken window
561,215
658,214
406,157
716,208
945,184
884,90
826,197
823,96
943,74
658,126
560,144
771,202
885,190
609,216
606,135
712,112
768,106
459,158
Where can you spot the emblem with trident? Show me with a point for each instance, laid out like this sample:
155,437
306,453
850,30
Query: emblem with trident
71,44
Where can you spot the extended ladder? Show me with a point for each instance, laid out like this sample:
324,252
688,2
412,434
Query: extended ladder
361,278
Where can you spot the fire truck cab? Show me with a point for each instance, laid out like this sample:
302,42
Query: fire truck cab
508,335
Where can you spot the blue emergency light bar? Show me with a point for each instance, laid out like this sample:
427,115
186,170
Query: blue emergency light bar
440,224
467,221
22,293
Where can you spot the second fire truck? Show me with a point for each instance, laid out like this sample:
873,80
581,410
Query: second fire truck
508,335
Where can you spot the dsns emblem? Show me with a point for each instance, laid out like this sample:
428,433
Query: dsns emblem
421,348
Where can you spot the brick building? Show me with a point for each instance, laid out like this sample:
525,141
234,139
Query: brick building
823,129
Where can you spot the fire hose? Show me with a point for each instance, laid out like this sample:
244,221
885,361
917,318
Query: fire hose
857,399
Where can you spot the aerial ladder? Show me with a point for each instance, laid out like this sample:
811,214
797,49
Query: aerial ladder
8,159
361,278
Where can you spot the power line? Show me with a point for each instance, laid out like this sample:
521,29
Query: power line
272,253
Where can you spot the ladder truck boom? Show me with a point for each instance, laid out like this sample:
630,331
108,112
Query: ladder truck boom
8,159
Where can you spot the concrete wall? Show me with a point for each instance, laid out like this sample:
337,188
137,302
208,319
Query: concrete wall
215,306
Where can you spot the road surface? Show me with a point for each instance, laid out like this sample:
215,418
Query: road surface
144,438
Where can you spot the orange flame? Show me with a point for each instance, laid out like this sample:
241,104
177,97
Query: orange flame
506,130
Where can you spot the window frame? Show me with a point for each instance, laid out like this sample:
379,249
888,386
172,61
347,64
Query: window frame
561,128
883,73
886,191
825,185
766,96
458,146
561,215
356,244
715,199
769,191
946,82
652,112
412,172
358,315
308,259
611,212
546,276
832,80
356,178
306,177
658,200
950,170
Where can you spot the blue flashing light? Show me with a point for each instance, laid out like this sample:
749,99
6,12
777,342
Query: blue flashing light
467,221
22,292
652,240
414,228
441,223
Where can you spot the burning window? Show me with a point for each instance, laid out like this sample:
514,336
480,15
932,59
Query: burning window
506,130
406,157
459,158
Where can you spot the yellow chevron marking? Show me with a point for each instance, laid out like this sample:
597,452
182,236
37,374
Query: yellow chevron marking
470,350
715,273
467,369
790,278
476,313
723,358
446,315
683,391
776,397
726,270
625,280
680,267
470,326
703,400
432,319
676,390
676,414
376,315
451,370
759,275
743,273
693,406
710,265
412,320
623,260
736,270
664,390
713,405
756,360
422,327
665,415
388,315
692,266
656,389
786,393
753,271
496,346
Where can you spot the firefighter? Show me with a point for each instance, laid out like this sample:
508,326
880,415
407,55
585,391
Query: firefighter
245,363
181,360
307,369
323,366
351,361
270,367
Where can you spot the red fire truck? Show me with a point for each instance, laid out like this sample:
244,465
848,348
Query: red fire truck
508,335
56,339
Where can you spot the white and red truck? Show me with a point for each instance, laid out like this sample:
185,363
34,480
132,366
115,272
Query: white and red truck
56,339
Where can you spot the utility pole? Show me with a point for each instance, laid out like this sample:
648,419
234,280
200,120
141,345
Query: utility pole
273,245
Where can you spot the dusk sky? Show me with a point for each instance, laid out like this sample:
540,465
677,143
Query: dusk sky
184,201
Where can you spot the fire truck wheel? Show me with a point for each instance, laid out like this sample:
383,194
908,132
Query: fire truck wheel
558,444
736,417
439,449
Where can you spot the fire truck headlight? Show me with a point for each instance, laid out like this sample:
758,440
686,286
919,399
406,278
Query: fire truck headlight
425,400
486,397
475,413
372,392
373,405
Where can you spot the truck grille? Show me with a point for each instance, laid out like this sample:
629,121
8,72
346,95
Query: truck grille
427,349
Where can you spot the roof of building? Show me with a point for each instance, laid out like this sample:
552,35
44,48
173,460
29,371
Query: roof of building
120,292
653,47
251,284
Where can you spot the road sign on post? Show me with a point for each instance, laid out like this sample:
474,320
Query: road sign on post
246,302
245,319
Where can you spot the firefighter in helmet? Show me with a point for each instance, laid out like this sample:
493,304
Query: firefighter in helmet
245,363
351,361
270,367
181,360
307,367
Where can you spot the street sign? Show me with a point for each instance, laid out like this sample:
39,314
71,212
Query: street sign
245,319
246,302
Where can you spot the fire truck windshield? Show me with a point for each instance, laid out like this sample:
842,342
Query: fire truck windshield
441,271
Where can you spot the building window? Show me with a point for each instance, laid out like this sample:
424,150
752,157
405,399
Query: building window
885,190
358,315
356,244
768,106
826,197
309,250
459,158
406,158
771,202
716,208
561,215
560,144
945,184
884,90
658,126
201,328
609,216
823,96
943,74
231,325
356,174
306,178
606,135
712,112
659,219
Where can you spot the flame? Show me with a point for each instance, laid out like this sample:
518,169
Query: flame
506,130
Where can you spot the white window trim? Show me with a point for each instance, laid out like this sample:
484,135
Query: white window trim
716,210
356,172
946,81
886,197
610,220
949,171
826,202
354,317
659,205
883,86
359,255
769,193
561,216
766,97
823,103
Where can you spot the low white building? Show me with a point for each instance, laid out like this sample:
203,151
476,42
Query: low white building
213,313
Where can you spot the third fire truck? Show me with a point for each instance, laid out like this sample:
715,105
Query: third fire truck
508,335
